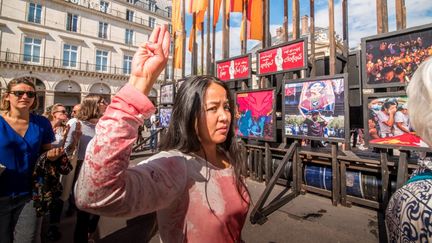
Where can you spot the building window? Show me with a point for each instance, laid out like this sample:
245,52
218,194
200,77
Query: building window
72,22
104,6
168,9
32,49
103,30
132,1
101,60
152,22
70,53
129,15
127,62
129,36
34,13
152,6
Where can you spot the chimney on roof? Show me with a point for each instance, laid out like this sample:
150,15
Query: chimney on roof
304,25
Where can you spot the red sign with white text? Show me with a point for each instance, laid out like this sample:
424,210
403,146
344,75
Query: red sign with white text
233,69
284,58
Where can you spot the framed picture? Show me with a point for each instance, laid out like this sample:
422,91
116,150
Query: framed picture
235,68
390,59
165,116
317,108
255,115
167,94
386,122
286,57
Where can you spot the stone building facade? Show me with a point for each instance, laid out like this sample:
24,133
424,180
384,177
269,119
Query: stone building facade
72,48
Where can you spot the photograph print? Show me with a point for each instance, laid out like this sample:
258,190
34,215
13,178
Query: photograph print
167,94
393,60
165,116
388,123
255,114
315,109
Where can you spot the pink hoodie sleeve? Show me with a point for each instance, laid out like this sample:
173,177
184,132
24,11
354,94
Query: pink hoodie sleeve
106,186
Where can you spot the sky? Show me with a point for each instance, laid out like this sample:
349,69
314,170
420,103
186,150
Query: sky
361,21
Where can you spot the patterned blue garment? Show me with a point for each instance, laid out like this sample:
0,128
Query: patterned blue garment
409,212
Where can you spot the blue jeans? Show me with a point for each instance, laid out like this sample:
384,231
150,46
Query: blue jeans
28,227
10,209
153,139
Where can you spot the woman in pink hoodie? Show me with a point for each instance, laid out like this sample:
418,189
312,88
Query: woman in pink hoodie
194,184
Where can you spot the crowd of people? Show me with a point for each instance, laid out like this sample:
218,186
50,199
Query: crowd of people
396,61
196,177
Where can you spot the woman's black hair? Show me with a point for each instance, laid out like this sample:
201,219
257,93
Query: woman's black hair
188,105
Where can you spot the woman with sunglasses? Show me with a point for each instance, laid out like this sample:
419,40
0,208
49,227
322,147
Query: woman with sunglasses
24,136
92,108
57,115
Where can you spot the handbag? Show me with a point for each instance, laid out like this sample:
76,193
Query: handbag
46,181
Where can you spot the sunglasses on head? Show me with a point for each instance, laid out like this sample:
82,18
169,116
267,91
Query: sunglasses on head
62,111
20,93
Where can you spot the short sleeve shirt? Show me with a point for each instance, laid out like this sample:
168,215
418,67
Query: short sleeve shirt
19,154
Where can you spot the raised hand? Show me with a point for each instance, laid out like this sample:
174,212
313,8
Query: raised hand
54,153
150,59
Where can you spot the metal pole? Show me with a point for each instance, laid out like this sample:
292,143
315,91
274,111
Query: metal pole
285,23
296,19
225,32
209,47
312,37
332,38
183,11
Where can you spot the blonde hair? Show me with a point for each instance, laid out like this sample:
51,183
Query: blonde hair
50,109
90,108
419,93
5,104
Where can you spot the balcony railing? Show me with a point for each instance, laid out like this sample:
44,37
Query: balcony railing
157,10
59,63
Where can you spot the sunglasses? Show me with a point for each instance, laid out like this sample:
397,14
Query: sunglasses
20,93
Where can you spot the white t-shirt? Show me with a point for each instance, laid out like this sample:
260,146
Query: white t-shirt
400,117
153,122
384,129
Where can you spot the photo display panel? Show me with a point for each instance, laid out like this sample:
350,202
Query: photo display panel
236,68
316,109
255,114
381,110
286,57
165,116
391,59
167,94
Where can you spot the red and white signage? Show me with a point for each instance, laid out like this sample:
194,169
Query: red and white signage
284,58
233,69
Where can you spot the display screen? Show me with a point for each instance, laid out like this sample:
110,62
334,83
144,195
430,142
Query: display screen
315,108
255,114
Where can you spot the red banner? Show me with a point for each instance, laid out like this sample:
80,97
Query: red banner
284,58
233,69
